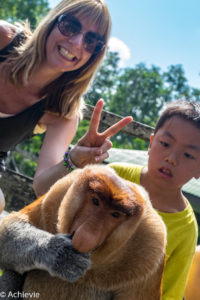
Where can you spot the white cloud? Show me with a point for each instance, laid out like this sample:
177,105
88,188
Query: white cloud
117,45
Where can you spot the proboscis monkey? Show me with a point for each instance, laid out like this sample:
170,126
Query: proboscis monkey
106,216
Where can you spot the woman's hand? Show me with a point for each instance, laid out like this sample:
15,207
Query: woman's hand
93,146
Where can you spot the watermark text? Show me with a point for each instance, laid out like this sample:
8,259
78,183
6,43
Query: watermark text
16,295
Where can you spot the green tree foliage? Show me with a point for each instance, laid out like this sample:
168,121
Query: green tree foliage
26,155
105,81
195,94
177,83
21,10
83,126
140,93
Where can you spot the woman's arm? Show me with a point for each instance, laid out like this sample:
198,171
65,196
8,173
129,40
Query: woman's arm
58,137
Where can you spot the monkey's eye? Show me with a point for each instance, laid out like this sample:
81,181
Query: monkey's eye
115,214
95,201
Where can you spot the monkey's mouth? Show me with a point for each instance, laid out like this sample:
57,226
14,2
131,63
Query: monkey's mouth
96,248
71,235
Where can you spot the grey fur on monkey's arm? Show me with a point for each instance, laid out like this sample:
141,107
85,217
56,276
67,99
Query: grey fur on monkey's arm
24,247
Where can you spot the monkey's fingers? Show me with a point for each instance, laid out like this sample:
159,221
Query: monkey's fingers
79,264
117,127
64,261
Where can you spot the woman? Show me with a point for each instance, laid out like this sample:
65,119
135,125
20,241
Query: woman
43,78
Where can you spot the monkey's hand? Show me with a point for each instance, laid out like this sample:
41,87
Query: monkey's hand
24,247
62,260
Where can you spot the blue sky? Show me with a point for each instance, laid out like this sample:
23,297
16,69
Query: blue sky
158,32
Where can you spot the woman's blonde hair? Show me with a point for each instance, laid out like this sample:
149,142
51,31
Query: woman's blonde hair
64,94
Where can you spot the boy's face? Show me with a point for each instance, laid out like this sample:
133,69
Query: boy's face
174,153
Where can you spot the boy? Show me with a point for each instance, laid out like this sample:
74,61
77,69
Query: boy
174,158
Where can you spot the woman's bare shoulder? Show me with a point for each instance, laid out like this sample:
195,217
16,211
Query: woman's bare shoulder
7,32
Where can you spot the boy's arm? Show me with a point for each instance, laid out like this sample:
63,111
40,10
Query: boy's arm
175,277
179,252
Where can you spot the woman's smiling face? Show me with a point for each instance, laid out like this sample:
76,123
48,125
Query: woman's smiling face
64,54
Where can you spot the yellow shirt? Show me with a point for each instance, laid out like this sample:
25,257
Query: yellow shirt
181,239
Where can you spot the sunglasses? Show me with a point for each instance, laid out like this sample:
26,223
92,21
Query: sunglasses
70,26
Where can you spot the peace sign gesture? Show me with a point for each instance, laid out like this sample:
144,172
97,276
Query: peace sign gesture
93,146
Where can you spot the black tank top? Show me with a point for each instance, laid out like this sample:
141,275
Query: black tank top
17,128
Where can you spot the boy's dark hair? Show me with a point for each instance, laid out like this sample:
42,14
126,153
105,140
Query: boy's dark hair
187,110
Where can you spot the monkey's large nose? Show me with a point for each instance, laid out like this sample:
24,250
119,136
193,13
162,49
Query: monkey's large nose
86,241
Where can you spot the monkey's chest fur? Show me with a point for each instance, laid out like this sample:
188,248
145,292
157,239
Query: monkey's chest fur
58,289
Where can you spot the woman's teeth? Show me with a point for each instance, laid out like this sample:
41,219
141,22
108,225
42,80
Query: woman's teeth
66,54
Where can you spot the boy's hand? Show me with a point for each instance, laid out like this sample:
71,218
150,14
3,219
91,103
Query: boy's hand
93,146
